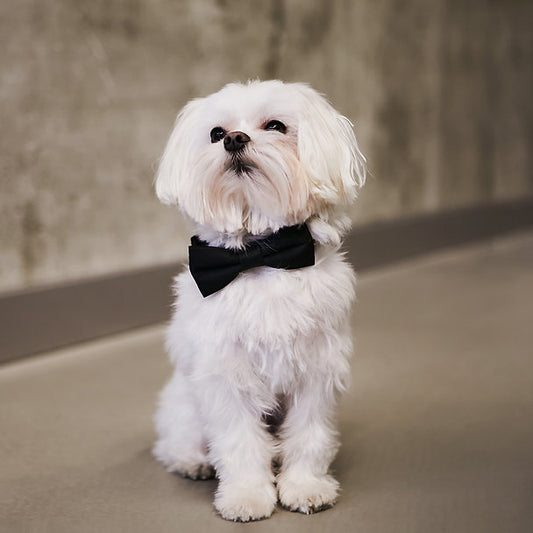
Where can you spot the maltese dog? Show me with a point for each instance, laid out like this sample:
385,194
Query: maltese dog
260,335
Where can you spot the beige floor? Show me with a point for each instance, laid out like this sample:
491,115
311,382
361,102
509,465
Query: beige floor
437,432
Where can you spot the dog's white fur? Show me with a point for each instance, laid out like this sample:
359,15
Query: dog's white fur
271,337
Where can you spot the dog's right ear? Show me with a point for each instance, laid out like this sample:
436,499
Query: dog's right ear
176,158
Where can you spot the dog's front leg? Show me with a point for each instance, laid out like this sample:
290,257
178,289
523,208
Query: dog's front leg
241,450
308,445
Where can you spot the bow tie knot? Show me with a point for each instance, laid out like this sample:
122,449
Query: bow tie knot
213,268
251,258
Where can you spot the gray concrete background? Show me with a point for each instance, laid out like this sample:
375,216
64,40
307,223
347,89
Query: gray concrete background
440,93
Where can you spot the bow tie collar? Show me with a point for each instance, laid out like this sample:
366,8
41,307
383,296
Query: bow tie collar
213,268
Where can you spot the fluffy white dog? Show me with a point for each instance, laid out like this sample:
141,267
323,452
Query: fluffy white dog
260,353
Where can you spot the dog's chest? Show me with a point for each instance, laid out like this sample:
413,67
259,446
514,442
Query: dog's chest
276,324
272,309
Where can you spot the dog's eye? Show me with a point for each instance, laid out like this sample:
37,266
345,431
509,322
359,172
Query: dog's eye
276,125
217,134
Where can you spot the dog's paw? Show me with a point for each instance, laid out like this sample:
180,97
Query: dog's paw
307,494
195,467
193,470
242,503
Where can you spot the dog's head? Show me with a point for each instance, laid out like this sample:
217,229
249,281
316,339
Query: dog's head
258,156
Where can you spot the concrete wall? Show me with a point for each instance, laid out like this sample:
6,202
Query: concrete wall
440,93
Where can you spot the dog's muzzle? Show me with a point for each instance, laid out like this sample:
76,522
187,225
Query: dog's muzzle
235,141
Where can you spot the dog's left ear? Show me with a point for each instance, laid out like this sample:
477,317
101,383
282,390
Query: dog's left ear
328,148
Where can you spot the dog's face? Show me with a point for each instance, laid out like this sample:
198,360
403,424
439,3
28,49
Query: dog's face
256,157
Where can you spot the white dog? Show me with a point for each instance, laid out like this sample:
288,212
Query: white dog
260,342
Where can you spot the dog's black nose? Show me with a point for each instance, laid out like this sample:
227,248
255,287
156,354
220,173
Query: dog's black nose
235,141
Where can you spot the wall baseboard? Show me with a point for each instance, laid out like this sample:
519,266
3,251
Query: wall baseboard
42,319
381,243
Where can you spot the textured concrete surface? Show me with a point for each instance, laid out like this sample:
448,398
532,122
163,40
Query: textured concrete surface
436,432
439,92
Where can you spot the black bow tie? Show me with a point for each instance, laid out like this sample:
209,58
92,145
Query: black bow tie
213,268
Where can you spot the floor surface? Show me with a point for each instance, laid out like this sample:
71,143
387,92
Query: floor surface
437,431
